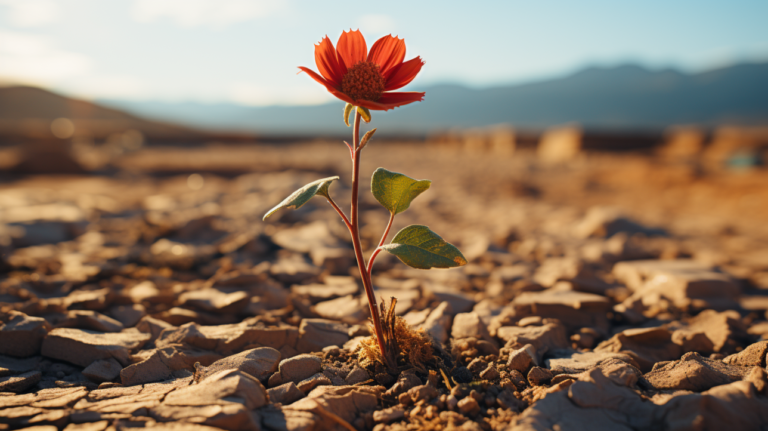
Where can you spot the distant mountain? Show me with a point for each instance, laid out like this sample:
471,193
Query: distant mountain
624,97
29,112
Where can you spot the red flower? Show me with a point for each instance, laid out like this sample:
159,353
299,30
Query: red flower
366,82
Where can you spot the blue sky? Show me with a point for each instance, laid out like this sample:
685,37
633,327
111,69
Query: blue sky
247,51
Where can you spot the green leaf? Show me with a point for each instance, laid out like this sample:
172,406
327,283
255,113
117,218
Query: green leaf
418,247
303,195
396,191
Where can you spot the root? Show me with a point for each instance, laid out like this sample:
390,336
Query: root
405,347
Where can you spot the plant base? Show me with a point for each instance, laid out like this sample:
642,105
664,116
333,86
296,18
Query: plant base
405,347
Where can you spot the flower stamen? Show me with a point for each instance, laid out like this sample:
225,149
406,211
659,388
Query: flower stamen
363,81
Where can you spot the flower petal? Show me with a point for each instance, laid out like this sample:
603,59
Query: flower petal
403,74
328,86
389,101
312,74
351,48
327,62
388,52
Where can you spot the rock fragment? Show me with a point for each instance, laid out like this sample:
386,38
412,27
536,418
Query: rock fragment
522,358
103,370
21,335
547,337
260,363
296,369
694,373
314,334
389,415
755,355
19,382
82,347
646,346
285,394
538,376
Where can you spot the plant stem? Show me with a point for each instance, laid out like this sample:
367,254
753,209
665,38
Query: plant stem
341,213
378,249
355,230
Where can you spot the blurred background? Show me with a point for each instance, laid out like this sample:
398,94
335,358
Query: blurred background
164,123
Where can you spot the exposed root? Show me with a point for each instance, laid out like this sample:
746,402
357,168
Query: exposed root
405,347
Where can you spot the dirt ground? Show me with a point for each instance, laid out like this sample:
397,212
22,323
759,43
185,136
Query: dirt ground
613,291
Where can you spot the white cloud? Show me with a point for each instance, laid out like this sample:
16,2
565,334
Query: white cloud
196,13
31,13
249,94
33,59
376,24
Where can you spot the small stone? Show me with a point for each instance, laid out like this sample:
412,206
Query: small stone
314,334
333,287
389,415
477,365
285,394
404,383
423,392
128,315
312,382
83,347
490,373
153,327
437,322
296,369
21,336
452,402
683,282
538,376
215,389
469,406
518,380
469,325
694,373
522,358
260,363
357,375
646,346
19,383
215,301
104,370
89,319
754,355
349,309
548,337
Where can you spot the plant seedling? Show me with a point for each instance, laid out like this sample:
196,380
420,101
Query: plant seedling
366,82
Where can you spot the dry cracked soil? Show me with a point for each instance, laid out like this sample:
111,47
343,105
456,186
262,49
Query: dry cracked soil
616,292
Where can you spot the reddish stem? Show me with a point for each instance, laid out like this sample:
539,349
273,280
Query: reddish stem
355,230
341,213
378,249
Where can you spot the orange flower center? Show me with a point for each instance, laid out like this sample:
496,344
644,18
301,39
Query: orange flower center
363,81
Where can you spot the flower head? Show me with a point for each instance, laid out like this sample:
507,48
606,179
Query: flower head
366,80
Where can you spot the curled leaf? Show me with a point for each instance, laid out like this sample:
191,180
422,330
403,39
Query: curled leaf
418,247
303,195
365,113
367,137
396,191
347,110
